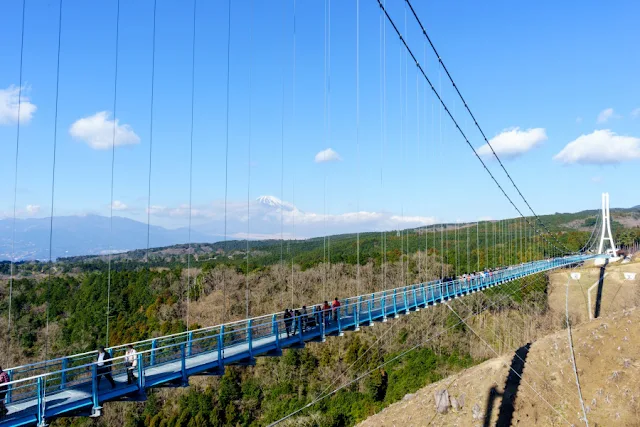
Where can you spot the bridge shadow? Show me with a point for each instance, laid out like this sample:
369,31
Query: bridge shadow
600,286
505,414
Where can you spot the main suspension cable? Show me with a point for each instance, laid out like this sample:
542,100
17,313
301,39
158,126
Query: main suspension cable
424,32
446,109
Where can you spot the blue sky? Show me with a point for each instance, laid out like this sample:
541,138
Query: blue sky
550,79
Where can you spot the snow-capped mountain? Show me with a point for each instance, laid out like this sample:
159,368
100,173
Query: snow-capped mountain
274,202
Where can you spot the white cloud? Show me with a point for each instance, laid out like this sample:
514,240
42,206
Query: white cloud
578,119
635,113
600,147
327,155
13,99
514,142
596,179
97,132
606,114
32,209
117,205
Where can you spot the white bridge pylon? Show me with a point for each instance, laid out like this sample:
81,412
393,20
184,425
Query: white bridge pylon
606,226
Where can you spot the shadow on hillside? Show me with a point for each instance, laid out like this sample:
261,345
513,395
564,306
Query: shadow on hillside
505,414
600,286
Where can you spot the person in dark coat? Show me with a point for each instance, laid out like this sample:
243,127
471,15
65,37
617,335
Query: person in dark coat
287,321
104,366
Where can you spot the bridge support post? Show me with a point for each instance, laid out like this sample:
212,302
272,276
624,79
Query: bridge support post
221,349
96,409
63,373
274,330
41,401
153,352
183,365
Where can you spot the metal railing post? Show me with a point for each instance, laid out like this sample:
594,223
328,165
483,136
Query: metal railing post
358,311
339,317
9,387
300,328
41,401
395,303
415,298
189,343
152,361
250,337
370,315
405,299
94,390
63,373
220,348
274,329
383,305
141,382
183,364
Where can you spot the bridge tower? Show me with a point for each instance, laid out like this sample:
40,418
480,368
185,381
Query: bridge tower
606,226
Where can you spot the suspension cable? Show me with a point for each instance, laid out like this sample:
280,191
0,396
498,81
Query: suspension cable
15,189
446,109
226,159
53,178
424,32
246,277
113,163
193,94
358,146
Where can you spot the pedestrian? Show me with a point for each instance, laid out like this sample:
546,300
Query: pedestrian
4,379
131,362
335,306
297,321
287,321
326,313
104,367
318,312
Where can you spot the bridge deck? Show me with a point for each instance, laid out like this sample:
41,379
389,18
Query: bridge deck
68,385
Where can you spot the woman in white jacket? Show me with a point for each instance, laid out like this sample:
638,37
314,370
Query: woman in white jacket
131,362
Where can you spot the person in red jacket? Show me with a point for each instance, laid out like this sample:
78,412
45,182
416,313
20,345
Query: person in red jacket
326,313
335,306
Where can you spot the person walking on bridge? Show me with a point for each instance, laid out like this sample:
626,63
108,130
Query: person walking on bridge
104,367
287,321
131,362
4,379
326,313
335,305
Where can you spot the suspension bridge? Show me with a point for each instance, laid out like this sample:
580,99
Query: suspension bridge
70,385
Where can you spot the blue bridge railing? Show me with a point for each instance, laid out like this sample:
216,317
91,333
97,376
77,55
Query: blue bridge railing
69,384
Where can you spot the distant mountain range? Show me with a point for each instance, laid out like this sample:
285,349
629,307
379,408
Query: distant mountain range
91,234
84,235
